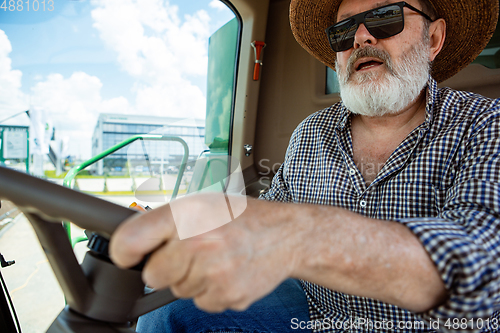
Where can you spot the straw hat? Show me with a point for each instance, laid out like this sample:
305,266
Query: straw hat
469,26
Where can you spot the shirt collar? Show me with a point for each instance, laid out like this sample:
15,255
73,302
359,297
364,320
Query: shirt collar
344,116
432,97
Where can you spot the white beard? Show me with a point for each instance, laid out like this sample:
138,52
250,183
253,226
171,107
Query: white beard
364,94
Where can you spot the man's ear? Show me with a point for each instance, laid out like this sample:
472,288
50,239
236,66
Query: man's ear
437,35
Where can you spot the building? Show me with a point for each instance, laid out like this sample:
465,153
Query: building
145,156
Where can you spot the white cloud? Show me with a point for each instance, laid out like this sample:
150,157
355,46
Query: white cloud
73,104
168,100
116,105
159,49
217,4
12,100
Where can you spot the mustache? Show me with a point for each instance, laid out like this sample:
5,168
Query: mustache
365,52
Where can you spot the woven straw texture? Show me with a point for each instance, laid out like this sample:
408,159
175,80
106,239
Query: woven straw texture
469,26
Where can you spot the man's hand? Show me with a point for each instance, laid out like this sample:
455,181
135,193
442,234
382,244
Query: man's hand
227,268
235,265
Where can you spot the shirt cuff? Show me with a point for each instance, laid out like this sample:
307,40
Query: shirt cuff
467,266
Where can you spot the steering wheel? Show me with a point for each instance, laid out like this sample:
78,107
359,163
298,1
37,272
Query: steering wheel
100,297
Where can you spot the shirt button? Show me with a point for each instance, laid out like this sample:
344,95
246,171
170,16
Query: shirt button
352,171
362,203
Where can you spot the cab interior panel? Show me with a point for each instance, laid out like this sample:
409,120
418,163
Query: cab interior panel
292,87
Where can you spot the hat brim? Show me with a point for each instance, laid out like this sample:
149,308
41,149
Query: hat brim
469,26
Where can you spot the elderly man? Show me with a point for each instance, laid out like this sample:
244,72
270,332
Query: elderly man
399,186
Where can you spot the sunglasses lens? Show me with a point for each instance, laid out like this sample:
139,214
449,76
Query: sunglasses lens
341,35
385,22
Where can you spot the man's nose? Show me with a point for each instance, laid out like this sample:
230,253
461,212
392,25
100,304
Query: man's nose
363,37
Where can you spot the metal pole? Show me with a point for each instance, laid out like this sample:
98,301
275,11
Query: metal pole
2,160
28,151
17,114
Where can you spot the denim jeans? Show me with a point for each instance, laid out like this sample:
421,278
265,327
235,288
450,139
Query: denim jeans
273,313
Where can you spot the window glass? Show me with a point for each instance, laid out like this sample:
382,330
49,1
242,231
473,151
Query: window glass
332,82
490,57
129,66
154,76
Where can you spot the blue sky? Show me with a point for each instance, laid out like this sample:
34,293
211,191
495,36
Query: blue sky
115,56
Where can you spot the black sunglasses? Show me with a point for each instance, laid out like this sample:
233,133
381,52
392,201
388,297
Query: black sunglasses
381,22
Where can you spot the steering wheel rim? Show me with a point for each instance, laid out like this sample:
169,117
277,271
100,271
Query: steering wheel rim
97,292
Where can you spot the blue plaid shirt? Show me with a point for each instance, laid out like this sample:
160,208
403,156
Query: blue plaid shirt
442,182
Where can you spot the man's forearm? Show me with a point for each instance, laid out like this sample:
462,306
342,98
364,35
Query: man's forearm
232,266
347,252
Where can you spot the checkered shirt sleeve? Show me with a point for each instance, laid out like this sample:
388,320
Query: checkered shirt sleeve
442,182
463,239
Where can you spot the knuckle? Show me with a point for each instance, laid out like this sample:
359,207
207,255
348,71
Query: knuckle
150,277
213,273
231,296
185,288
178,291
158,276
225,268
